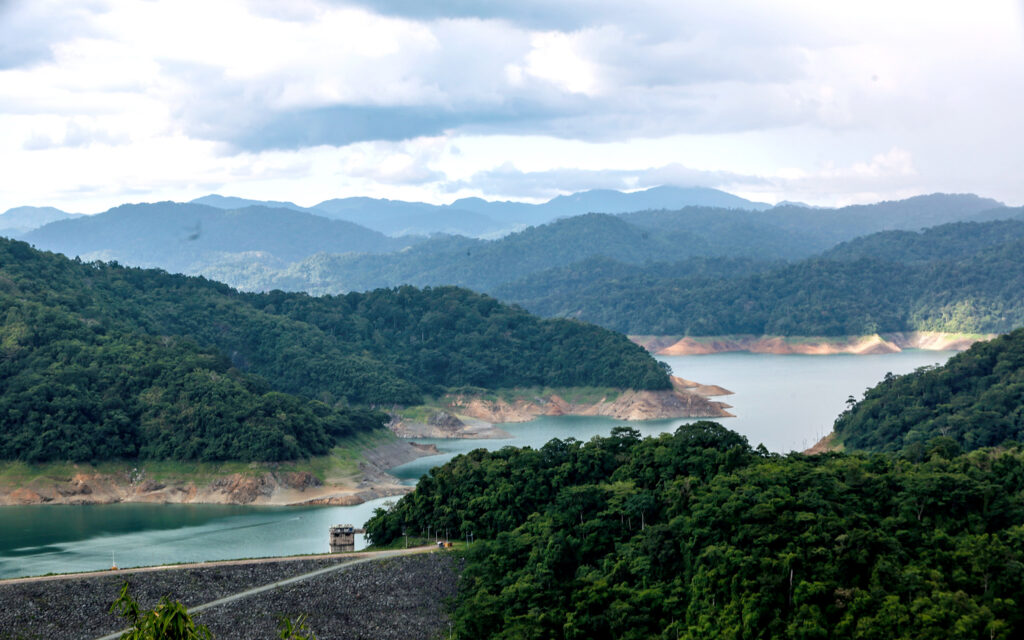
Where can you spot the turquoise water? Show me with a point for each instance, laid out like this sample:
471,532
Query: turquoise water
41,539
785,402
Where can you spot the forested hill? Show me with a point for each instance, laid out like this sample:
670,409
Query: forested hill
697,535
974,400
953,241
93,352
260,248
960,277
477,264
188,238
656,236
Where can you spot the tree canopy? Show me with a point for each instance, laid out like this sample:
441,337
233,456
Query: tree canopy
697,535
100,360
962,278
974,400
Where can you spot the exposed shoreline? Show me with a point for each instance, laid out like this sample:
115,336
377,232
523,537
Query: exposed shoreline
460,416
266,485
810,345
477,417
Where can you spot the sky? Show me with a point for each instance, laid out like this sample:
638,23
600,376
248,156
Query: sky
104,102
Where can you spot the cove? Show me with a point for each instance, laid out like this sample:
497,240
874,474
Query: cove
786,402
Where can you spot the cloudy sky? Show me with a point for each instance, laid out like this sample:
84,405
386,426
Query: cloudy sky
111,101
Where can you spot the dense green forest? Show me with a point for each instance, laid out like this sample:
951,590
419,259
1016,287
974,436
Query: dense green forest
75,390
697,535
468,262
656,236
103,361
974,400
260,248
961,277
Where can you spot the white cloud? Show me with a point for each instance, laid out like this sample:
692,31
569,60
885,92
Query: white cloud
343,98
556,58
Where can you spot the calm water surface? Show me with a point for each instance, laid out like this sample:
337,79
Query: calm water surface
40,539
785,402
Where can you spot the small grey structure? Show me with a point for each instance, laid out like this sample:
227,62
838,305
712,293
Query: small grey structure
343,538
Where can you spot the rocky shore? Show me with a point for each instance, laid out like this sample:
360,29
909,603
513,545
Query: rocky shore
269,486
804,345
686,399
399,597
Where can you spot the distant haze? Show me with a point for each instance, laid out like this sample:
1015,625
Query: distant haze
357,244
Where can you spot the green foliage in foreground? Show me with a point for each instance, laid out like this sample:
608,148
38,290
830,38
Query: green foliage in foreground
167,621
170,620
974,400
696,535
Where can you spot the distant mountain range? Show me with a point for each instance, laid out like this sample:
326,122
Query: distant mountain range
20,220
786,233
473,217
477,217
189,238
562,267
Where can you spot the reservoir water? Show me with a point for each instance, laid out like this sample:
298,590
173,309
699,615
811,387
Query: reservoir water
785,402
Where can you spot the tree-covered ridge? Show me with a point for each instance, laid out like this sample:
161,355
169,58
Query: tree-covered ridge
76,390
477,264
964,277
105,361
632,238
954,241
696,535
974,400
260,248
446,337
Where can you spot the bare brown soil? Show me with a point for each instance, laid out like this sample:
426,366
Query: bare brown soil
791,345
684,400
267,488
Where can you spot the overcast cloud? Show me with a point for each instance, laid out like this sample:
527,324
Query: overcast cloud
828,103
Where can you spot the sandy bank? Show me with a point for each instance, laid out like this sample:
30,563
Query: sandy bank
828,443
684,400
267,487
442,424
802,345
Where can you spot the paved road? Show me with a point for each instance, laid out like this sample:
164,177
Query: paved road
354,559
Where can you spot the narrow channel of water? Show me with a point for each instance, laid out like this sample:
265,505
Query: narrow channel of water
785,402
